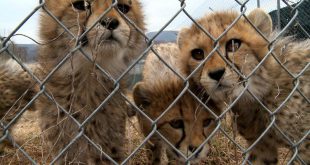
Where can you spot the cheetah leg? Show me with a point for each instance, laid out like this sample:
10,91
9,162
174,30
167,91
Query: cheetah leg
156,152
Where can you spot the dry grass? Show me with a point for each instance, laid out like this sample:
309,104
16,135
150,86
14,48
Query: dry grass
27,133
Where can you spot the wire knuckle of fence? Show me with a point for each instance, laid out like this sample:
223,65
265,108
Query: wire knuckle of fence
165,103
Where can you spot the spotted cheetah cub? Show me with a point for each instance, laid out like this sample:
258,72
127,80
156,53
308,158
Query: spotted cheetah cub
186,125
16,90
14,82
82,112
262,82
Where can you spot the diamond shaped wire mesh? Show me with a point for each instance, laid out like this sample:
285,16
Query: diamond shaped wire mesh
289,21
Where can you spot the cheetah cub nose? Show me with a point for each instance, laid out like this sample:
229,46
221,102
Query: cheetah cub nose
217,75
110,23
192,148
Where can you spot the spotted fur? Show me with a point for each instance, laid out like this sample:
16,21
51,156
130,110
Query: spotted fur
187,124
244,48
16,90
78,86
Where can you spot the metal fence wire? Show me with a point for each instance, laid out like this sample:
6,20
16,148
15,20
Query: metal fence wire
293,19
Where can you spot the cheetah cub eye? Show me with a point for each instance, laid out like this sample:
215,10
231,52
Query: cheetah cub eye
207,122
233,45
81,5
177,124
198,54
124,8
144,104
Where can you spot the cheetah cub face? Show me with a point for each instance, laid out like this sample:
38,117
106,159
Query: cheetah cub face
108,33
186,125
241,46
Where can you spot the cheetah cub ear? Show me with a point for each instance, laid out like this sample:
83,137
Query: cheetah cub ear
261,20
141,96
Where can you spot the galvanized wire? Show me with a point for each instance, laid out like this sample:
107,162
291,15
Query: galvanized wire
5,135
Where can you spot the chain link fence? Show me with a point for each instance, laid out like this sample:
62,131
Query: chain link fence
293,19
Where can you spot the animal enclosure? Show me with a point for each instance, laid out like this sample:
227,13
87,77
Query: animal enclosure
21,140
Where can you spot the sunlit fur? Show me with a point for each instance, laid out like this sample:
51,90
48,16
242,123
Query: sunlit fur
159,88
78,86
270,83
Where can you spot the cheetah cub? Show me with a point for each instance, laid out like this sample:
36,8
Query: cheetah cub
14,83
16,90
82,112
186,125
262,83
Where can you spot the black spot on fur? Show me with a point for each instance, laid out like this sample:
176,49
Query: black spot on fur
103,111
157,160
61,114
126,59
251,139
114,150
98,160
279,141
295,96
97,94
153,147
291,116
242,126
68,98
242,133
308,146
270,162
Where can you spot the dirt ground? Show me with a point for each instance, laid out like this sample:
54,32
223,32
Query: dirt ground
27,133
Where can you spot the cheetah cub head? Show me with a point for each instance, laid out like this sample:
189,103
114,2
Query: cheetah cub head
186,125
180,117
98,26
228,64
